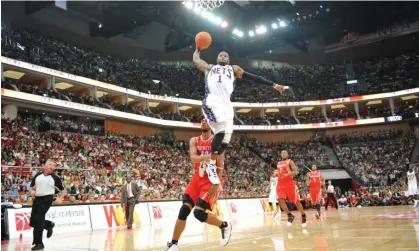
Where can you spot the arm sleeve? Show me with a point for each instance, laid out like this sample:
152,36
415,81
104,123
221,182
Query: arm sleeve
58,183
34,178
257,79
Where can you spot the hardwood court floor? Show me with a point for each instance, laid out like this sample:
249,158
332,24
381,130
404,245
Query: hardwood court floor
374,228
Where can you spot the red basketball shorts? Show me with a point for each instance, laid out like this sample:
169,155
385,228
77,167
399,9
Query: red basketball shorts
199,188
288,191
315,193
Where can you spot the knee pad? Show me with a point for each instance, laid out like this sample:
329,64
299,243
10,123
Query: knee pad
200,215
184,212
219,145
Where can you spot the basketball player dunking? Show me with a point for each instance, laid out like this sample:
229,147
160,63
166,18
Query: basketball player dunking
287,188
203,190
273,182
217,106
316,181
412,186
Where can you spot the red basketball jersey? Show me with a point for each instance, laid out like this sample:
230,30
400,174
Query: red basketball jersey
315,179
203,148
284,168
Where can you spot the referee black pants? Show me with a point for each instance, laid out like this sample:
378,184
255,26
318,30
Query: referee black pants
40,207
331,196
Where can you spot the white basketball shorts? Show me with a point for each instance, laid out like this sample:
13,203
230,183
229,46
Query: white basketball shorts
220,114
412,189
272,196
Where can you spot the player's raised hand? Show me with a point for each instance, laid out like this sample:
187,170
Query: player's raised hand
279,88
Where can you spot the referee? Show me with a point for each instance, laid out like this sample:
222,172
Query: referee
43,188
330,195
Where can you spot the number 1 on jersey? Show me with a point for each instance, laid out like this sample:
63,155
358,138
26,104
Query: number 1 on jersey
219,79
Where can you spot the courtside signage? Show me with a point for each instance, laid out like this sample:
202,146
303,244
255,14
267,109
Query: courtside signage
67,219
108,216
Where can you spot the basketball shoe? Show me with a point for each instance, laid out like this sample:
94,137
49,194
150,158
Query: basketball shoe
225,234
304,220
290,219
172,247
416,203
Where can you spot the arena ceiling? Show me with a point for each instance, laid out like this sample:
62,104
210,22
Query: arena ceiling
329,21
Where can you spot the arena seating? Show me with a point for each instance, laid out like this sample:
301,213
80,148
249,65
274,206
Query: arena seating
93,166
98,163
310,82
376,157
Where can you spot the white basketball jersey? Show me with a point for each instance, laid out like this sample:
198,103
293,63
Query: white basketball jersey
411,177
220,81
274,182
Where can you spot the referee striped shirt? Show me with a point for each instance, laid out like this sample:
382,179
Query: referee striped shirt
46,184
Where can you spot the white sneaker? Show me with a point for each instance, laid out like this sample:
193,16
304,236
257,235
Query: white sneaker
225,234
415,205
172,247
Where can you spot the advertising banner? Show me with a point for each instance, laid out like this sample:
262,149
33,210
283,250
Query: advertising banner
67,219
113,215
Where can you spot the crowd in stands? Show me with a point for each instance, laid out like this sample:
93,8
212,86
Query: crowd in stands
93,163
268,119
380,157
308,82
367,197
94,167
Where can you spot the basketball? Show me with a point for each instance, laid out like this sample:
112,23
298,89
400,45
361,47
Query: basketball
203,40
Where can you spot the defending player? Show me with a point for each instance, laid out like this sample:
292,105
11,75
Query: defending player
287,188
316,181
203,190
412,185
273,182
217,106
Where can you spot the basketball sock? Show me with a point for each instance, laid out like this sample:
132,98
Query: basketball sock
174,242
224,224
289,214
318,207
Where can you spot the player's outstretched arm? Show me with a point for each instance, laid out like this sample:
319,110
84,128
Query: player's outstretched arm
199,63
193,153
240,73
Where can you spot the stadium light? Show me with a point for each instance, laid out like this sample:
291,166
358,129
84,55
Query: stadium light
100,25
251,33
224,24
238,33
262,29
282,24
189,5
274,26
